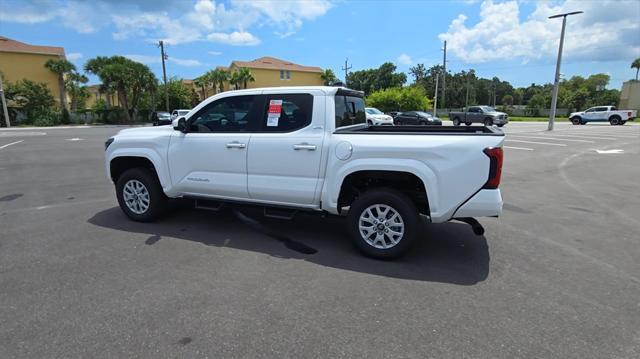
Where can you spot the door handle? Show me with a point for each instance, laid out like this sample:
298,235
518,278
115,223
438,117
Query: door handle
236,144
304,146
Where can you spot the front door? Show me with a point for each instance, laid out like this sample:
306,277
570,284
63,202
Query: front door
285,151
211,158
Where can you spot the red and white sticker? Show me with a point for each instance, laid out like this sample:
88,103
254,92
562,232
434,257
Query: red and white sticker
275,107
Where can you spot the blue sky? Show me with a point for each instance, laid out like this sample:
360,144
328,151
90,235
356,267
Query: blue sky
513,40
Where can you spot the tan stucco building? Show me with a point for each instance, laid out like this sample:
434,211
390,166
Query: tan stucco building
630,96
24,61
272,72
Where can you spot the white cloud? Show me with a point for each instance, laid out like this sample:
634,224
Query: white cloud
608,30
404,59
174,21
236,38
148,60
214,53
73,56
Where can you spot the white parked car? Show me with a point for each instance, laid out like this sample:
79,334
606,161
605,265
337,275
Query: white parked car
178,113
292,149
376,117
602,114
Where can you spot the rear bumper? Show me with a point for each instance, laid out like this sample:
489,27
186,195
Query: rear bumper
485,203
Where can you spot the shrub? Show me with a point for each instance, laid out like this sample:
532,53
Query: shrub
399,99
50,118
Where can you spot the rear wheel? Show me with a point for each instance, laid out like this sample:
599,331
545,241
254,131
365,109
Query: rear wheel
383,223
456,121
140,195
615,120
488,122
468,123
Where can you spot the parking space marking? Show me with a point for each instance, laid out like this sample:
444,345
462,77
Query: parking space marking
587,137
538,143
21,134
552,138
518,148
10,144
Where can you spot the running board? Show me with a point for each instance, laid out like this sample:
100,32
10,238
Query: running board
280,213
208,205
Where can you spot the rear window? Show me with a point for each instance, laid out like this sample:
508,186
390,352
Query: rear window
287,112
349,111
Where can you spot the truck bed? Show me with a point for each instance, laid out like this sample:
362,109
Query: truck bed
422,130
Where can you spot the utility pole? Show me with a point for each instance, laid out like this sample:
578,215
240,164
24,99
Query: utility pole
444,75
4,105
164,76
556,80
346,69
435,98
466,101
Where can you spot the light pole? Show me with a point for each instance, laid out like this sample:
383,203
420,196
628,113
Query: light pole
556,80
435,98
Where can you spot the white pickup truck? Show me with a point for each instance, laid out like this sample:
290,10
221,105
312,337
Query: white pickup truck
291,149
601,114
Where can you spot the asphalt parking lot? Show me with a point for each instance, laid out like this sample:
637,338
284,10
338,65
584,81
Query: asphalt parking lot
557,276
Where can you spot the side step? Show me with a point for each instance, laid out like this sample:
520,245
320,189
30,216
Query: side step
280,213
208,204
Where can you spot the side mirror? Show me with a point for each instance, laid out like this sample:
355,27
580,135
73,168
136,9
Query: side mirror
180,124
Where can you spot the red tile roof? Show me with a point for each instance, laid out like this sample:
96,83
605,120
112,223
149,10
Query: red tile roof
273,63
10,45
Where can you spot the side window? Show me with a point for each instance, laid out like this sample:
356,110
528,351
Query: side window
349,110
286,112
613,108
231,114
601,109
590,110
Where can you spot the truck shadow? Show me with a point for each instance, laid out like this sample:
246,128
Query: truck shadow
446,253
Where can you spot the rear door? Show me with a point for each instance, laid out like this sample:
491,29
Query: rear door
211,159
286,146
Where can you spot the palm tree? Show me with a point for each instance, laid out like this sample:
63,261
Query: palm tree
201,82
245,76
73,84
60,67
220,76
234,79
328,77
636,65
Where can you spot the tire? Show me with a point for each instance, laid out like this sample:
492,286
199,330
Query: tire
143,183
397,122
423,123
622,123
388,245
369,123
615,120
576,120
468,123
456,121
500,125
488,122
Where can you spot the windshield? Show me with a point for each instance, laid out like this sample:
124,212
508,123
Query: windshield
488,109
183,112
164,115
373,111
425,114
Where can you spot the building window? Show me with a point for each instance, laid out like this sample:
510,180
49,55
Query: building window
285,75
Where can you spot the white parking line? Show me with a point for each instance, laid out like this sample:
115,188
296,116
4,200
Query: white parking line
587,137
518,148
552,138
539,143
9,144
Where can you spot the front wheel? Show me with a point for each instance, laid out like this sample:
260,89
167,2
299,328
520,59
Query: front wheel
614,120
423,123
488,122
575,120
456,121
383,223
140,195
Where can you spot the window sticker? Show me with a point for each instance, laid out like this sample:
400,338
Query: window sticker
273,116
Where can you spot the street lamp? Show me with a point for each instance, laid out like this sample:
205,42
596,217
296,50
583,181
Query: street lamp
556,81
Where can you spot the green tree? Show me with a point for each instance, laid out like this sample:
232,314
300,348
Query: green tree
244,76
130,79
507,100
636,65
376,79
60,67
220,76
201,83
33,98
328,77
419,73
399,99
179,94
74,84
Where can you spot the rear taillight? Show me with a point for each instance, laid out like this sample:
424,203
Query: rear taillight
495,155
629,114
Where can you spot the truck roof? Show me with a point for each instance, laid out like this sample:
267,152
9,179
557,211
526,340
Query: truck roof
329,90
